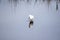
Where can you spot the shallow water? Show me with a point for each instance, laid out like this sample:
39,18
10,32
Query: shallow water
14,21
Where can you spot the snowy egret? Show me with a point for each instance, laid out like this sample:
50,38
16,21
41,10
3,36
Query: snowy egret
31,22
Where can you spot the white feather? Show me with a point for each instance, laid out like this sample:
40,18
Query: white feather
31,16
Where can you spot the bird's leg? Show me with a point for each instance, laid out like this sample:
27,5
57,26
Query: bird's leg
30,24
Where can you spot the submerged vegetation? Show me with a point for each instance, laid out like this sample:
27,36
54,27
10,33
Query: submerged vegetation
0,1
15,2
43,0
48,2
56,5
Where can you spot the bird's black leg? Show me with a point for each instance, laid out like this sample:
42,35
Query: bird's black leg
30,24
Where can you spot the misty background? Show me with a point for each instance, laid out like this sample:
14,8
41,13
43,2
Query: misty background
14,20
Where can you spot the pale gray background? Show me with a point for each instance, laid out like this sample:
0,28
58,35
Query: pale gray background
14,21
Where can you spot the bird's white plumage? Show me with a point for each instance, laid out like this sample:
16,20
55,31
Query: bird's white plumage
31,20
31,16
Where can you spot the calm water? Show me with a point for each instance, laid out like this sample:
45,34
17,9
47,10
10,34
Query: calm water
14,21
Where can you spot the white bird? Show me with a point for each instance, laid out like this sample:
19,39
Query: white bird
31,22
